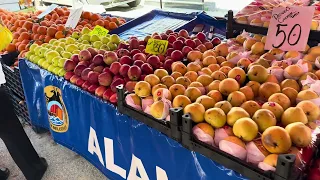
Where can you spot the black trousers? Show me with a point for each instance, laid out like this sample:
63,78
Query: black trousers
16,140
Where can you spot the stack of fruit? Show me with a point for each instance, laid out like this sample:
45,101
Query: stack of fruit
247,102
28,29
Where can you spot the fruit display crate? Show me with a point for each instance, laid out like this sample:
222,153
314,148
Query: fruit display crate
154,21
170,128
211,26
284,170
13,80
234,29
19,105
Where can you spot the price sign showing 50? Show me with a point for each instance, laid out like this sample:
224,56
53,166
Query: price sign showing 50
289,28
157,46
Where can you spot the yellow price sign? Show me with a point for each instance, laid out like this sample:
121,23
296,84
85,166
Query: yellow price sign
100,31
157,46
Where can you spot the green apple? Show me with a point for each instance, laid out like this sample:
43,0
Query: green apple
61,72
51,67
105,47
45,65
66,54
115,39
85,30
63,45
71,47
112,46
56,43
52,54
105,40
42,51
70,40
97,44
36,59
85,42
85,37
86,46
61,62
44,45
63,40
36,50
41,60
55,61
31,58
75,35
28,54
108,36
32,47
76,52
49,46
94,38
56,70
52,41
59,49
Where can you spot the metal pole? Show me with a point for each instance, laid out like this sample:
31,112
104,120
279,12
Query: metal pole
161,4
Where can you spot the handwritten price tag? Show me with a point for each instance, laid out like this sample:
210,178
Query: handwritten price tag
100,31
157,46
47,11
74,17
289,28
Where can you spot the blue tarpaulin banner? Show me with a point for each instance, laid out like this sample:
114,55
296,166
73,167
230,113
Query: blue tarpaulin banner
119,146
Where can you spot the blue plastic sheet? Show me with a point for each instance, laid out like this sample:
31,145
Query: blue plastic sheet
155,21
127,148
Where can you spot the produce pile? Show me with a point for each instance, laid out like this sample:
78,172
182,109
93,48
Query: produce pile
27,29
258,12
243,100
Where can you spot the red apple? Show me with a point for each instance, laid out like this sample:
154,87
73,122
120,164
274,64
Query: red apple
146,39
100,90
183,33
79,82
125,60
93,77
84,73
85,55
154,61
138,63
123,52
164,36
140,56
314,174
86,85
85,63
92,88
134,43
116,83
114,99
123,45
124,70
105,79
101,51
142,42
74,78
201,36
186,50
68,75
69,65
176,55
169,31
181,39
146,68
215,41
142,47
177,45
197,41
130,86
107,94
134,51
92,66
98,69
169,51
97,59
167,65
92,51
170,45
208,45
171,39
114,68
75,58
142,77
190,43
107,69
78,69
134,73
110,57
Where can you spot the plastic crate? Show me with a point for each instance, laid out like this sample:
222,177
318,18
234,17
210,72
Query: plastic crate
13,80
285,165
154,21
19,105
170,128
219,25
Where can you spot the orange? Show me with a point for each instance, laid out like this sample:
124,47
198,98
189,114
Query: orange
60,28
42,30
54,16
51,31
60,12
21,23
113,25
99,22
59,34
58,21
86,15
95,17
11,48
47,39
28,25
21,30
21,47
35,28
43,23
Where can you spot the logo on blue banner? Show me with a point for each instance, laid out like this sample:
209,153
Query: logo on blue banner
57,112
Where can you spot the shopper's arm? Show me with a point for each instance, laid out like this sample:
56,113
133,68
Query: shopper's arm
9,59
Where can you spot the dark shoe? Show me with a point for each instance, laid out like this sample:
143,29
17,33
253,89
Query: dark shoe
41,169
4,173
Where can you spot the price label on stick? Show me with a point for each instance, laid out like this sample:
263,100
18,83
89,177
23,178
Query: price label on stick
100,31
157,46
289,28
74,17
47,11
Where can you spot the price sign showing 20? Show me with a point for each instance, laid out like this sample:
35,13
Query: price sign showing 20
292,38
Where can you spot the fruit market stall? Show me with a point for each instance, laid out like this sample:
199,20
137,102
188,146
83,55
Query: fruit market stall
181,103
